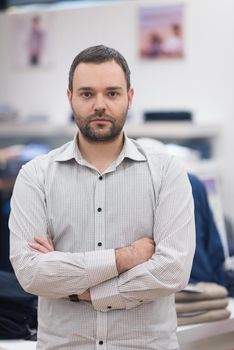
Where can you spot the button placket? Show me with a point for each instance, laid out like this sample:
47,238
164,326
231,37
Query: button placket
99,203
101,330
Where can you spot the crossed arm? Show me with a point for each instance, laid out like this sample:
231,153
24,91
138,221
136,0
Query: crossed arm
121,278
126,258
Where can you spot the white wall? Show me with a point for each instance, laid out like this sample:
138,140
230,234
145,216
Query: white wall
202,82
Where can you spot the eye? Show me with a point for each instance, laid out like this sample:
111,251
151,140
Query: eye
113,93
86,94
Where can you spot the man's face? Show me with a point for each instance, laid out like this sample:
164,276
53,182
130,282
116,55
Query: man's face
100,100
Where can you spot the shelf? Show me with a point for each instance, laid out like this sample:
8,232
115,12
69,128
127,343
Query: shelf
17,344
160,130
35,130
173,130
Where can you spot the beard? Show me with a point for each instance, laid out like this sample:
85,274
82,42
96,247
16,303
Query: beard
95,132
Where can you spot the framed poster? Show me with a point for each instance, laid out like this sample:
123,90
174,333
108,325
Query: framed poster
161,32
31,42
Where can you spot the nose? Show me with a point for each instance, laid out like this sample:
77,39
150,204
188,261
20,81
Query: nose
99,104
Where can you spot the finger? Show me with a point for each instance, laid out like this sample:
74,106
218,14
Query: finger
44,243
38,247
50,240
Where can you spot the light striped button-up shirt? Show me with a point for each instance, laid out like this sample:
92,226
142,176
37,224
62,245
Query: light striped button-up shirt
88,215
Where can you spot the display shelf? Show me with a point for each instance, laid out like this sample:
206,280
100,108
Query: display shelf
173,130
35,130
17,345
160,130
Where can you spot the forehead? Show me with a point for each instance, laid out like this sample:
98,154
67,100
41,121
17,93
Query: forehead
103,74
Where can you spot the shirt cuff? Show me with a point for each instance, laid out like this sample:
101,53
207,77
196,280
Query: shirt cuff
101,266
106,297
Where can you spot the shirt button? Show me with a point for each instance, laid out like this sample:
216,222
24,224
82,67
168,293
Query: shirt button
99,244
100,177
99,209
100,342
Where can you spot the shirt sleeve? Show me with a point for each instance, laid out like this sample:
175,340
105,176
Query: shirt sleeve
168,270
55,274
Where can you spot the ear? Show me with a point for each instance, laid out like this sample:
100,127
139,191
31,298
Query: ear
69,95
130,96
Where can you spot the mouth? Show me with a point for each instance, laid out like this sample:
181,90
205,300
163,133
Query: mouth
100,120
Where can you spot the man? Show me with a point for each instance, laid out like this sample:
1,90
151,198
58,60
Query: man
102,230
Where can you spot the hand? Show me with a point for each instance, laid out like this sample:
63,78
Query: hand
45,246
142,249
42,245
137,253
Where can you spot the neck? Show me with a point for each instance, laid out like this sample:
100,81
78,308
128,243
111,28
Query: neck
100,154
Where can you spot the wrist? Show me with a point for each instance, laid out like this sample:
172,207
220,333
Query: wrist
123,259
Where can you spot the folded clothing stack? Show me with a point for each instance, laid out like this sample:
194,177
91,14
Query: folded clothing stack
201,302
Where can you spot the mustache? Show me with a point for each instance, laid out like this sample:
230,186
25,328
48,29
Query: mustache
100,115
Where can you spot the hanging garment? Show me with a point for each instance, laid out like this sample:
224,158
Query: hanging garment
18,309
209,255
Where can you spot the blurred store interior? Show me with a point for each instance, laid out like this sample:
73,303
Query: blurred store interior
182,99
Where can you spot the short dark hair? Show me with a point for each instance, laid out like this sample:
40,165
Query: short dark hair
99,54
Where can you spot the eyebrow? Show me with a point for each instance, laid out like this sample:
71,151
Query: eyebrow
114,88
87,88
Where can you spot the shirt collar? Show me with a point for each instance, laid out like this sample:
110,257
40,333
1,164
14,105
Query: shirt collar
68,151
71,151
131,151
